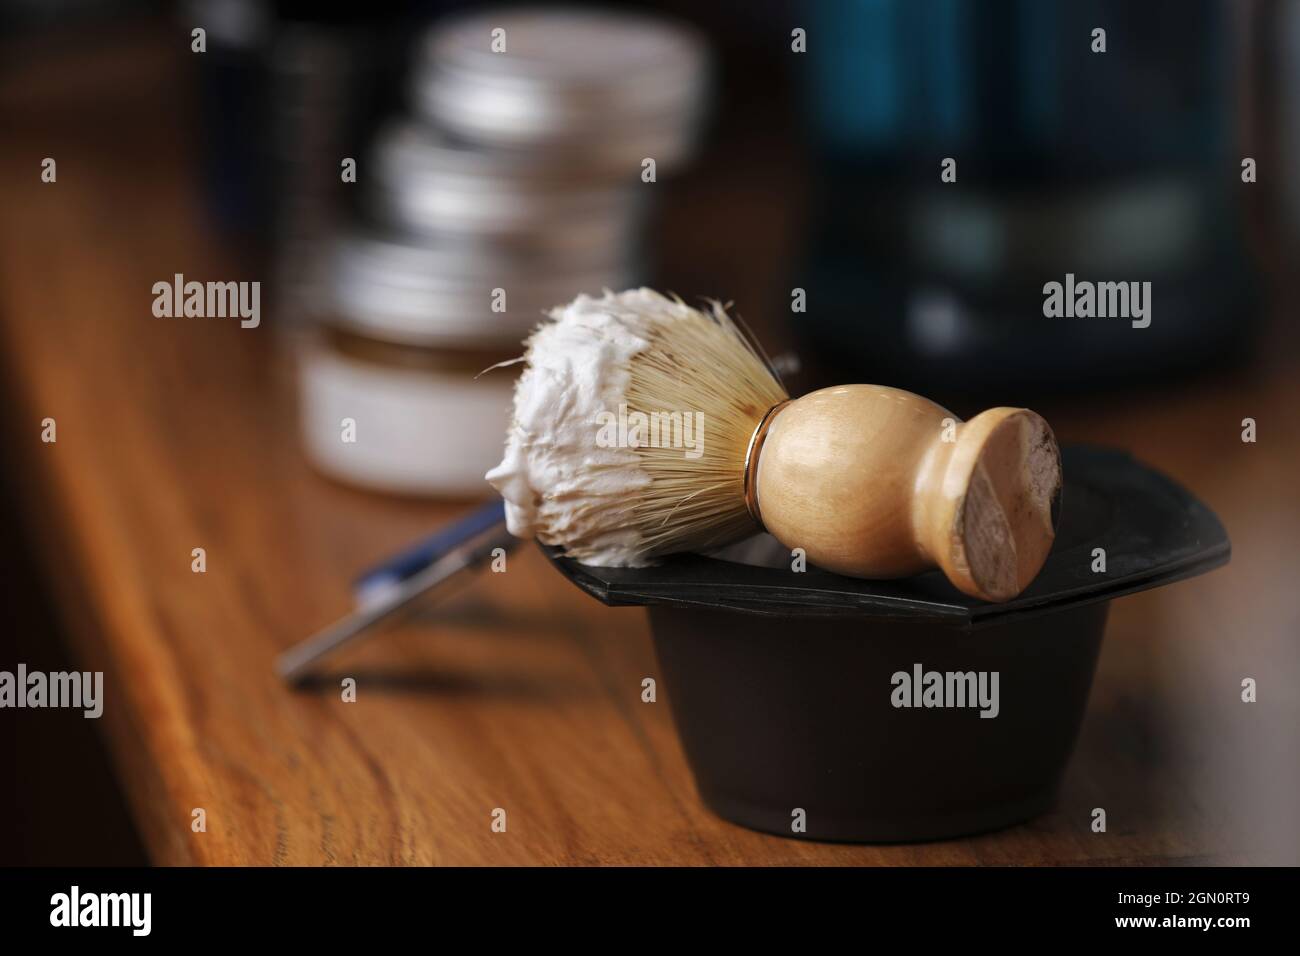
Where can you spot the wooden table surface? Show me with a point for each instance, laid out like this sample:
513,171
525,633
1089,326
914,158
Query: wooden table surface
519,692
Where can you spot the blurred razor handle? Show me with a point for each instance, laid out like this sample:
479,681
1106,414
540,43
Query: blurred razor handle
387,599
382,578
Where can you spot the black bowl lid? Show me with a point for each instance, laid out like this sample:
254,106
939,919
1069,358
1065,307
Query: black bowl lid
1153,532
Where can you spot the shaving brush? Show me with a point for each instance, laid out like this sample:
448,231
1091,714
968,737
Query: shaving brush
643,426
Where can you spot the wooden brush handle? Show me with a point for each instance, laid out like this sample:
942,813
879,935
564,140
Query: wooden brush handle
876,482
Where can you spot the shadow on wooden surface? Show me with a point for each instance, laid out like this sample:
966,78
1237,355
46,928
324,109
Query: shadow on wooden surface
61,805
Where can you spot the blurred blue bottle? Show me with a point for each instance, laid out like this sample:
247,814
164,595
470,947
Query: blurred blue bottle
1113,166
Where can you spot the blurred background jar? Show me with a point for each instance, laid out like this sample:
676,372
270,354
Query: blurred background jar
513,182
407,348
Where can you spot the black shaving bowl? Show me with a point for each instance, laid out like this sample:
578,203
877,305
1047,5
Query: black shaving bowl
786,690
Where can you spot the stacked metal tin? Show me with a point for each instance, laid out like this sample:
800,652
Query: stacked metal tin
517,184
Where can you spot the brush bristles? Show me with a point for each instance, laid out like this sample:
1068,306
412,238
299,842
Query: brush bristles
699,364
640,356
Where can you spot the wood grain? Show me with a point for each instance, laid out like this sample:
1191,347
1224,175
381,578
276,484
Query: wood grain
519,692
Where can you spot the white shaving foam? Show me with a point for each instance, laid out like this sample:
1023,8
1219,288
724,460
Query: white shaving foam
558,484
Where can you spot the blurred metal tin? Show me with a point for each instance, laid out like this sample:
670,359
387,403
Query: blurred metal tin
607,88
443,294
426,183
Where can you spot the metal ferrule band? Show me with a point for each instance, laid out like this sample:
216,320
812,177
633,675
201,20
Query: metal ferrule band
752,454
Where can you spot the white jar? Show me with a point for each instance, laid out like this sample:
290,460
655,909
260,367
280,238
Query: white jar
403,419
